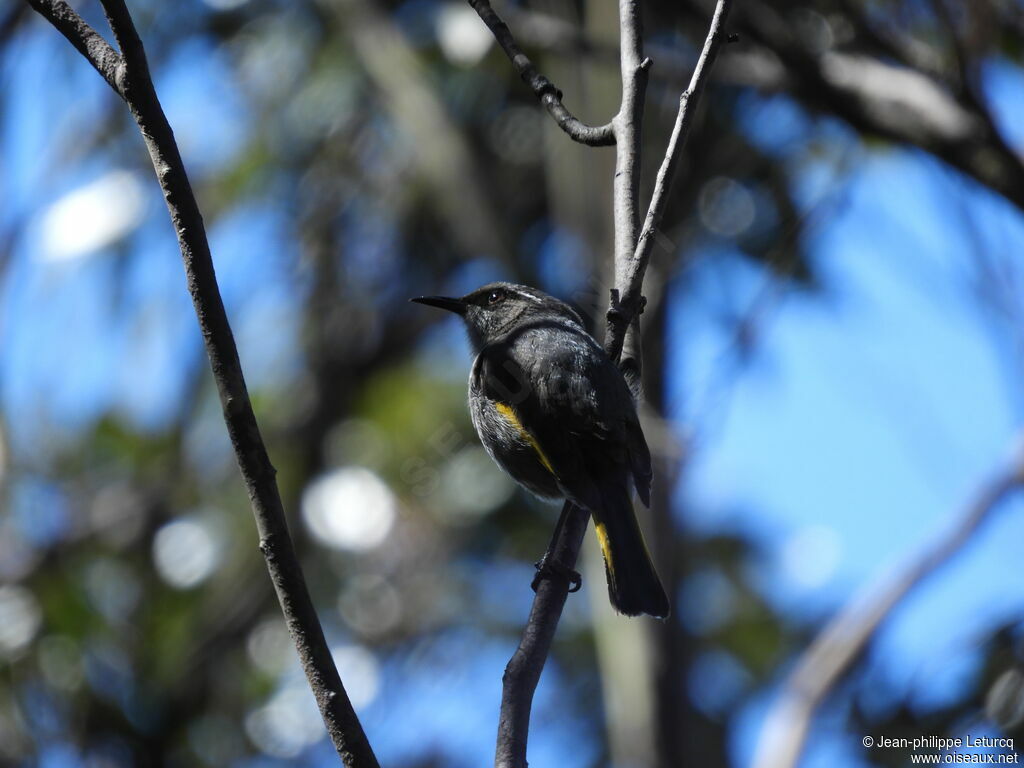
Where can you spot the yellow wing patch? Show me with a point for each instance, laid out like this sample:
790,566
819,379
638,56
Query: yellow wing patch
606,549
510,416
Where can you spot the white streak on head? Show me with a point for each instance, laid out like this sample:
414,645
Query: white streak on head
526,295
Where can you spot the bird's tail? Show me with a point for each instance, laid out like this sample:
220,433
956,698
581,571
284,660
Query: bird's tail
633,584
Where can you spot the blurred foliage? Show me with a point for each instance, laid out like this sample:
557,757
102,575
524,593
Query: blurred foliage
347,156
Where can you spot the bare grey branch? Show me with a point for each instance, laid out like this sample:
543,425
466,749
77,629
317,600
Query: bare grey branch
543,89
842,641
86,40
630,267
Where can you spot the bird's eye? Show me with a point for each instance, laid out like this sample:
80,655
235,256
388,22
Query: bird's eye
495,296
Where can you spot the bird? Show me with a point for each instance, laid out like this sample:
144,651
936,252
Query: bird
555,413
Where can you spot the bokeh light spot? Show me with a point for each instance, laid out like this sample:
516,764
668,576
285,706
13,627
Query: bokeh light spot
61,662
269,646
112,587
726,207
811,555
286,724
360,670
708,601
20,618
370,605
86,220
463,38
471,486
349,508
185,552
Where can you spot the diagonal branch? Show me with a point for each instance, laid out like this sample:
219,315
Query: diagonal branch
543,89
524,668
522,673
129,76
842,641
126,37
86,40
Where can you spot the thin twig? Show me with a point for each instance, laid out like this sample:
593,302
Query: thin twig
843,640
128,74
634,264
543,89
524,669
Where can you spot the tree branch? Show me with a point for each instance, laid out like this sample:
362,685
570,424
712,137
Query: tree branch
630,266
524,669
543,89
911,106
626,186
129,75
86,40
842,641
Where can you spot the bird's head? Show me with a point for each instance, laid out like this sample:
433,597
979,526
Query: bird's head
496,309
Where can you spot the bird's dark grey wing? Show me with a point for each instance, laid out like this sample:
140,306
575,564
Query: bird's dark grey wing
576,404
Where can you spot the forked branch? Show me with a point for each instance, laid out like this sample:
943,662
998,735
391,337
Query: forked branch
631,267
524,669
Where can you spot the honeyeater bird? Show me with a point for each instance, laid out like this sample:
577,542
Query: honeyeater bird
556,414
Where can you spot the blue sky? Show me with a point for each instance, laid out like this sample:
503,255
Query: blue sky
871,416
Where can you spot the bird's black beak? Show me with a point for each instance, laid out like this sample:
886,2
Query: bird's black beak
458,306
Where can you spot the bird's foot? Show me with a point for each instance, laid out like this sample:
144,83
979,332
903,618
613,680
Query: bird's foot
547,567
